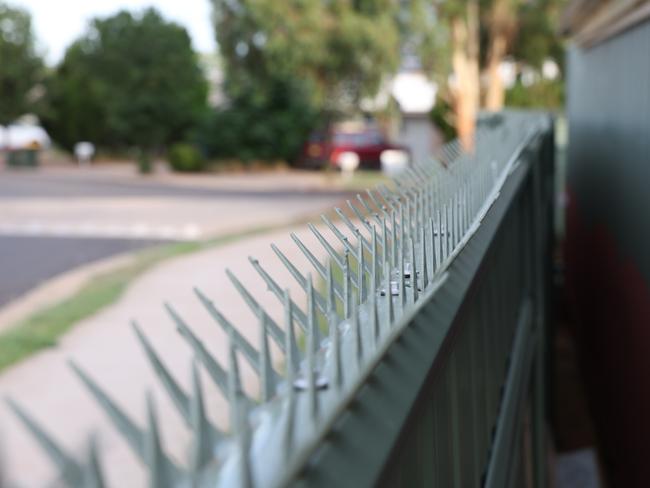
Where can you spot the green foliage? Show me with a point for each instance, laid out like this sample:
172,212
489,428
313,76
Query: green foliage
342,49
20,66
185,157
131,80
532,37
537,38
442,116
144,163
547,94
267,121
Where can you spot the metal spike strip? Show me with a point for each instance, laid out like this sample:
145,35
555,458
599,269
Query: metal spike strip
273,286
274,329
249,352
203,445
298,276
267,373
310,372
361,273
292,365
93,476
71,471
160,474
412,230
239,425
347,292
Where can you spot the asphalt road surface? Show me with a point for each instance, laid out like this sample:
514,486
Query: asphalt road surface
25,262
51,222
22,184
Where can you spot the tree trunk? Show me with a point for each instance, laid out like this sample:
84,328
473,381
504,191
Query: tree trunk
495,93
465,62
501,27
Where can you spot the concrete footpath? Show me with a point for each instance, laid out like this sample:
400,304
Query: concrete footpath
106,347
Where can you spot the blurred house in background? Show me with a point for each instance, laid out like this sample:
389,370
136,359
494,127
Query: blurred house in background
212,67
415,95
608,222
408,98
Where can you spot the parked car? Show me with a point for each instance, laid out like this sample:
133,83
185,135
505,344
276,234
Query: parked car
337,148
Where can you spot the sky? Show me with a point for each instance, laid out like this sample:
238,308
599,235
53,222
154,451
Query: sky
59,22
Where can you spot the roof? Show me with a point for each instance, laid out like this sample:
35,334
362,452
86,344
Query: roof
589,22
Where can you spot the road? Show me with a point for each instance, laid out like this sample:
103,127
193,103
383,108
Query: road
27,261
53,221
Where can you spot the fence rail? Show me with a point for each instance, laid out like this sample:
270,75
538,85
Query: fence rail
422,365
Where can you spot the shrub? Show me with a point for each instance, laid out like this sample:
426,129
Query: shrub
185,158
264,123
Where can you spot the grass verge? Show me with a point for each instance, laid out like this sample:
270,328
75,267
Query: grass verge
43,328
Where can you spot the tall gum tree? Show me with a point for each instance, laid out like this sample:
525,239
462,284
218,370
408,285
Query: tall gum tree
21,68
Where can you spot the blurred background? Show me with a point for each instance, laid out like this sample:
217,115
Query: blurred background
214,85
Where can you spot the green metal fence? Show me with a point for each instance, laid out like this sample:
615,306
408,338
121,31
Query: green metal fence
423,366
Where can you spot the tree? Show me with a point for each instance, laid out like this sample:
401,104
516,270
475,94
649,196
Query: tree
20,66
445,35
469,39
501,26
131,80
340,49
524,31
265,125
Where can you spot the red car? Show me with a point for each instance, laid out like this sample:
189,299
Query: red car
333,147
